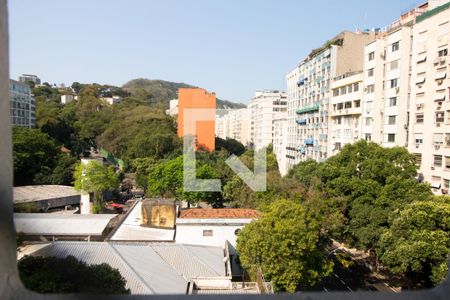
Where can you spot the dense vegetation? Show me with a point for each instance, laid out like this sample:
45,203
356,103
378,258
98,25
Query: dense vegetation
69,275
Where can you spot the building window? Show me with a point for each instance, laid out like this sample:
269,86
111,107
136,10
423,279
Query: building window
368,137
419,118
370,72
335,92
371,56
370,89
207,233
393,65
348,104
391,137
356,87
446,183
439,117
391,120
357,103
393,83
349,88
368,121
438,139
443,52
395,46
418,137
343,90
393,101
447,163
437,160
447,140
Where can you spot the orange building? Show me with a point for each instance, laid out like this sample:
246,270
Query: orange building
196,98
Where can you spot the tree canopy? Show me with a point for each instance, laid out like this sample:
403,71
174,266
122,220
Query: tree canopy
285,242
69,275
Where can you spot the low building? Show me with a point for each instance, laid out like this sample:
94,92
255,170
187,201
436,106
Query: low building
65,226
66,99
46,196
212,226
22,105
112,100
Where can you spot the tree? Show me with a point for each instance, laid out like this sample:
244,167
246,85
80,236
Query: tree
166,180
34,153
231,145
96,178
63,171
285,243
69,275
417,244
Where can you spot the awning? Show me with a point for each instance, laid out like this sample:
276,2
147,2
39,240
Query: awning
436,185
420,80
441,75
421,58
439,97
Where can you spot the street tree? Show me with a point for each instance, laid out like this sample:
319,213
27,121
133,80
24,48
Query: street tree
95,178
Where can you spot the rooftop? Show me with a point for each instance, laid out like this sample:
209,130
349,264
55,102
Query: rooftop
61,224
147,268
219,213
131,230
32,193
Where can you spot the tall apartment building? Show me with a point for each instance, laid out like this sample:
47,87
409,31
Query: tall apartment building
197,98
173,108
280,141
309,87
235,124
22,105
430,97
264,106
345,111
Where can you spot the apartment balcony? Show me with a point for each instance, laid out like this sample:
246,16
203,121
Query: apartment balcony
308,108
301,121
309,142
346,111
301,150
323,137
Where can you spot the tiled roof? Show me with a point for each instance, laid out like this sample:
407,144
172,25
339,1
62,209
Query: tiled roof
219,213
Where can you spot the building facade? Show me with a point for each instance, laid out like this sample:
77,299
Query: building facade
173,108
309,93
264,106
280,141
235,124
22,105
430,97
345,111
197,98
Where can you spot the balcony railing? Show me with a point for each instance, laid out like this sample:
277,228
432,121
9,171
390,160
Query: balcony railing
308,108
301,121
309,141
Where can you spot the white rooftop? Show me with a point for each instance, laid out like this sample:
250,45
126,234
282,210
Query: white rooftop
31,193
61,224
131,230
149,268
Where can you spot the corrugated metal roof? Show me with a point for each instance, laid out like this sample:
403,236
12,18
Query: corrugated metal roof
32,193
148,268
61,224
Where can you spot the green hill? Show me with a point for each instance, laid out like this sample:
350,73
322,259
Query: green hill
161,91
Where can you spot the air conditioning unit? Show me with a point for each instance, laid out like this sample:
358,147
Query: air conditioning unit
397,90
444,191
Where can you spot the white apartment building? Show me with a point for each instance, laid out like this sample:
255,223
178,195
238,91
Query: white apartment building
309,87
345,111
112,100
430,97
22,105
264,106
235,124
280,141
173,108
25,78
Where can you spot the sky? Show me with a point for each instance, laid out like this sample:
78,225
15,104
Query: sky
230,47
